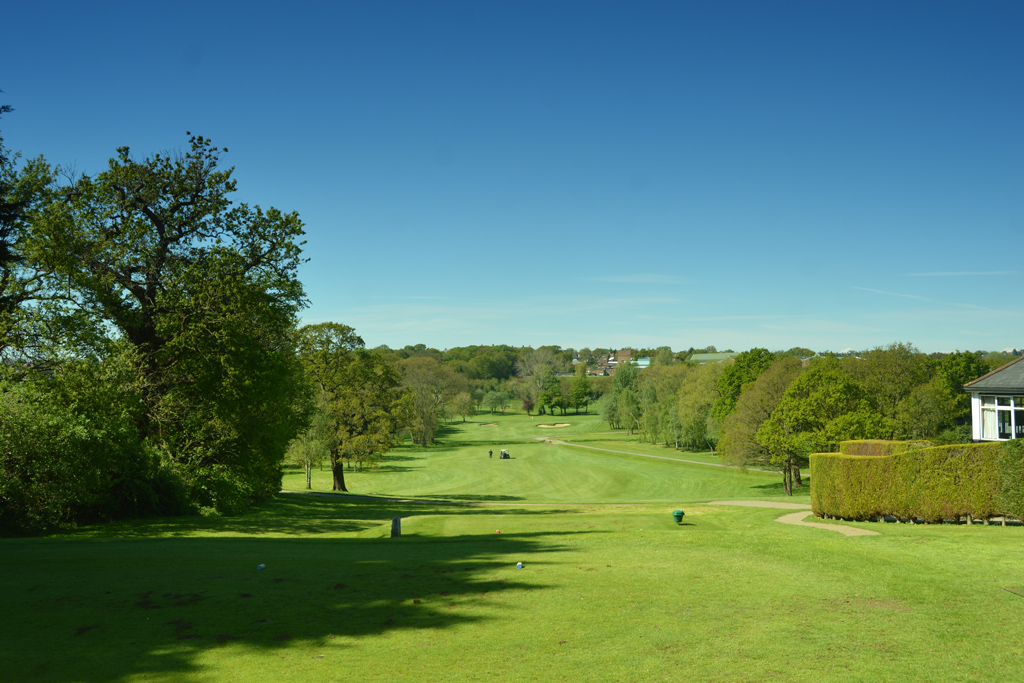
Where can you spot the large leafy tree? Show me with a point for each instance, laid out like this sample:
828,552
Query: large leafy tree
431,386
624,397
24,289
954,371
368,408
820,408
69,451
361,400
697,394
661,419
581,389
891,374
739,444
744,369
313,445
496,362
204,294
537,367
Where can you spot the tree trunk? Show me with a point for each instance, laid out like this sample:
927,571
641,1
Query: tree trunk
797,481
787,478
338,470
309,475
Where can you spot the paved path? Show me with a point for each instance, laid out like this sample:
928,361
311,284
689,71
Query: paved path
797,518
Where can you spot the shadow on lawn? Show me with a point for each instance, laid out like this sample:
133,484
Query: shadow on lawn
779,489
156,605
300,514
480,499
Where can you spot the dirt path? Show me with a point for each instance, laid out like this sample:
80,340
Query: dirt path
797,518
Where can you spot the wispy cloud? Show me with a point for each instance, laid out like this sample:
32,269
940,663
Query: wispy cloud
817,326
637,279
905,296
965,308
721,318
965,272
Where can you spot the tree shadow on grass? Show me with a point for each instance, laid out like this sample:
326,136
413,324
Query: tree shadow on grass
779,489
307,514
157,605
445,431
395,457
480,499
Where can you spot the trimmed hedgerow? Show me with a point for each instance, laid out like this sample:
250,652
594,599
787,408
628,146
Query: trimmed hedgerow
1011,478
933,484
880,447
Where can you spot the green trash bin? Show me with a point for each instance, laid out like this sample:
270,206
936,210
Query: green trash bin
678,515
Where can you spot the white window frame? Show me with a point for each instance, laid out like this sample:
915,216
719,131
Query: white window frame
981,407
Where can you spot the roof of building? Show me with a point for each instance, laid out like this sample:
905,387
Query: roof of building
701,358
1008,379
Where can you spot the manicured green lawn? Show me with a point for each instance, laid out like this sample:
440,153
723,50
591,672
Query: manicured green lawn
458,468
611,590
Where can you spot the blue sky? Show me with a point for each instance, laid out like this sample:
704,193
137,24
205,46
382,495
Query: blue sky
741,174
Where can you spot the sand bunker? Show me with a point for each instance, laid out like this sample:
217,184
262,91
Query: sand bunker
490,424
560,424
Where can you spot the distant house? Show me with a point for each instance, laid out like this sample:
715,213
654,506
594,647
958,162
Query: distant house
624,355
702,358
997,403
642,363
602,367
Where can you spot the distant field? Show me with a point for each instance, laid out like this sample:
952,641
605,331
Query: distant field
611,589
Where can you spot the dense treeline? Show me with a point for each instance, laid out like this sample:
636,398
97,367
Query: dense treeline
772,409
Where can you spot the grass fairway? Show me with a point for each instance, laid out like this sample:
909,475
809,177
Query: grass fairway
459,468
611,590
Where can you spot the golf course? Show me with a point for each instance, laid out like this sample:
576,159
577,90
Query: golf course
310,586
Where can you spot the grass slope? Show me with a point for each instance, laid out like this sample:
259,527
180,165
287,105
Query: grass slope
608,592
458,468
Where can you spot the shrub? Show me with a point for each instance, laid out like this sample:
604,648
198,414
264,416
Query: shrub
1011,478
936,483
70,453
879,447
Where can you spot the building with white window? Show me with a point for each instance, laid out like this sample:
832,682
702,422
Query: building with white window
997,403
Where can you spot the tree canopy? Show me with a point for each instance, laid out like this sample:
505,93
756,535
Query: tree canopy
150,266
820,408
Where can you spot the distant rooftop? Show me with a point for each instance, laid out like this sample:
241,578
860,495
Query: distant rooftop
702,358
1008,379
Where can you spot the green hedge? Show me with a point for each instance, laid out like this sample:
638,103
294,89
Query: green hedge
880,447
1011,478
933,484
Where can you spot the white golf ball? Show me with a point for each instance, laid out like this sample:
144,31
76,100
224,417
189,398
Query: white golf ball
519,565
